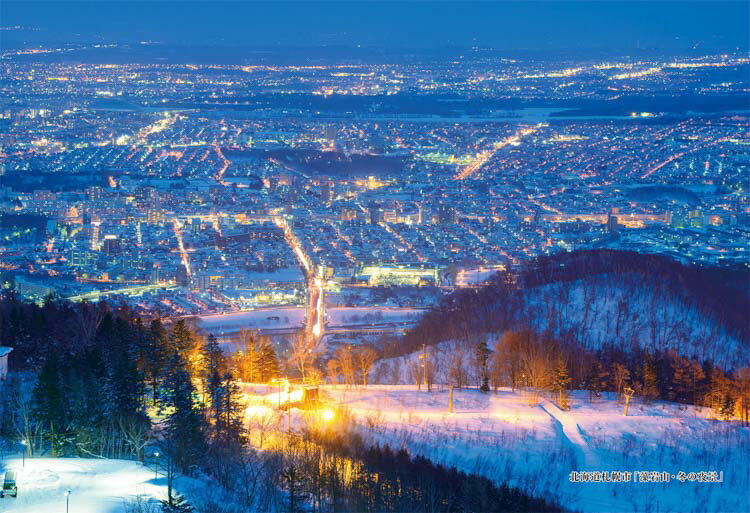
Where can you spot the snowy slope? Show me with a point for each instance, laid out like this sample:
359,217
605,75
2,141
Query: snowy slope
400,370
627,313
101,486
96,485
535,446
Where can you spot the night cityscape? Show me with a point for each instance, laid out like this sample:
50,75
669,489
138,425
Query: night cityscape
374,257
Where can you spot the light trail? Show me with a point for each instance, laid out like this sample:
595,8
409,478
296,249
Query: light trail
483,157
128,291
156,127
315,283
294,242
184,258
317,328
544,206
225,166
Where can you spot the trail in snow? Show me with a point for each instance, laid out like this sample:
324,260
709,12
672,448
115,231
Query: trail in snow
571,431
503,437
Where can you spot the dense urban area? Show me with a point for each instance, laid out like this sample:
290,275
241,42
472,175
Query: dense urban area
426,282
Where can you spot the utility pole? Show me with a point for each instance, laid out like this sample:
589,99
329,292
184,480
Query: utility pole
628,394
450,400
423,357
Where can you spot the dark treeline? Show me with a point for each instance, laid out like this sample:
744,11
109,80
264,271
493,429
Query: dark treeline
88,395
341,474
525,359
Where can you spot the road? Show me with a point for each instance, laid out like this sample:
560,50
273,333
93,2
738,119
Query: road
485,156
315,320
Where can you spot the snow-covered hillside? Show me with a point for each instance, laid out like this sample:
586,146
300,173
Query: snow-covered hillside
627,312
407,369
99,485
96,485
536,446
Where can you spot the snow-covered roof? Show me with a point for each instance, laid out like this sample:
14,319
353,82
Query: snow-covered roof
5,350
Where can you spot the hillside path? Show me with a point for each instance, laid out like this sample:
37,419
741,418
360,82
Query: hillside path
572,432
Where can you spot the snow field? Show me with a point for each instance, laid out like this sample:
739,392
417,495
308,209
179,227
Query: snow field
96,485
536,446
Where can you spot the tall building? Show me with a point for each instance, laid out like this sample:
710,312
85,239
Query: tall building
182,278
446,214
612,224
111,245
348,214
376,213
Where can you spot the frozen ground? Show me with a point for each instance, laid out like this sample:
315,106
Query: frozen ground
506,437
260,318
361,315
96,485
477,276
291,318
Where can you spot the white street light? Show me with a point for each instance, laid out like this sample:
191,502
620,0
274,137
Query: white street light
23,452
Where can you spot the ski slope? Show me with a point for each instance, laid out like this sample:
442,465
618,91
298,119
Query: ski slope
96,485
534,445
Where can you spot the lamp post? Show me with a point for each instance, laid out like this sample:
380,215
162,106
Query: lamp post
156,466
24,443
67,501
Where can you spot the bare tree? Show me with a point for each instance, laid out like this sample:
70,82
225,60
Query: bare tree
621,377
87,319
136,434
303,353
365,357
536,366
456,370
333,369
346,359
415,372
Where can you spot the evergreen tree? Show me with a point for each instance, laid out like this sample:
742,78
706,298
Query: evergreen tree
225,412
185,342
650,378
156,354
726,411
49,405
482,357
184,425
268,362
213,359
123,382
561,382
247,364
176,504
721,399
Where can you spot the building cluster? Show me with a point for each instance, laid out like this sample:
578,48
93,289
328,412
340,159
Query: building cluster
185,189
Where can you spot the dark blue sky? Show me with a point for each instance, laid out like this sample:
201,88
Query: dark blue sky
580,25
